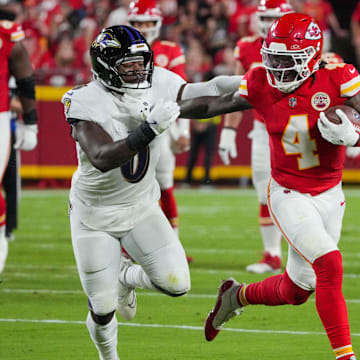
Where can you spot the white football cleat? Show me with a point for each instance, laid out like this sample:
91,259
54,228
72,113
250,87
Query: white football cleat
223,309
126,296
3,250
268,264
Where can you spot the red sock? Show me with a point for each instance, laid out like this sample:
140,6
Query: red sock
264,216
169,207
330,303
275,290
2,210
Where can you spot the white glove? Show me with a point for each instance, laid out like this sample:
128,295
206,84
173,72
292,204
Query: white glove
338,134
138,109
163,115
227,145
26,136
352,152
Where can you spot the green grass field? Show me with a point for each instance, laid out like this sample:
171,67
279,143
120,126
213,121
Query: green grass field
43,309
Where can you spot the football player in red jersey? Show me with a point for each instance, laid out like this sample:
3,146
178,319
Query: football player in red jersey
305,194
145,16
247,54
14,60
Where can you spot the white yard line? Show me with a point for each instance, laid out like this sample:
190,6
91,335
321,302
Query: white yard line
138,292
184,327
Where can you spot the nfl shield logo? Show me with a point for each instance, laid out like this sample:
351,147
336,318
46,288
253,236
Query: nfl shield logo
292,102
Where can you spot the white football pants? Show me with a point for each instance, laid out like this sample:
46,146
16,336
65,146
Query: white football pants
310,224
152,243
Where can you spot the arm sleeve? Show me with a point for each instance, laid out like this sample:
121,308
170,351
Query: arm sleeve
219,85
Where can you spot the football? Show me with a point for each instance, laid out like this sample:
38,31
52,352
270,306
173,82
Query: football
350,112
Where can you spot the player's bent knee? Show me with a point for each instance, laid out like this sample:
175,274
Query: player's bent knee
103,303
292,293
328,268
173,283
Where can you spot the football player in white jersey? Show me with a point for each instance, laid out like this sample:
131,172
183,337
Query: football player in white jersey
116,122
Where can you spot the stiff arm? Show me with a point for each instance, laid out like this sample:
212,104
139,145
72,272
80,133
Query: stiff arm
209,106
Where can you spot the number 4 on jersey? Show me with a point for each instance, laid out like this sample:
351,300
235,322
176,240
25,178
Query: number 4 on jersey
296,140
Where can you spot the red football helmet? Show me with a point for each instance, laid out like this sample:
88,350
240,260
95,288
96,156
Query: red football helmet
141,11
332,58
268,11
292,51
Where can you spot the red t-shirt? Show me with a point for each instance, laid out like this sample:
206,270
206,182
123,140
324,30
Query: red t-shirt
301,159
169,56
10,33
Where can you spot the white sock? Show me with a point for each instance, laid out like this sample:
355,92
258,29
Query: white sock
3,248
135,277
104,337
271,236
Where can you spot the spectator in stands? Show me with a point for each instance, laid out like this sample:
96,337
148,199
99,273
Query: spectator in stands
198,62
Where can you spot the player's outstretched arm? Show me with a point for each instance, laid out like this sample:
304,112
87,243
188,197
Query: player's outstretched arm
210,106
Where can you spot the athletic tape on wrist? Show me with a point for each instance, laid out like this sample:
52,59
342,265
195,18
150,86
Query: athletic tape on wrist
30,118
140,137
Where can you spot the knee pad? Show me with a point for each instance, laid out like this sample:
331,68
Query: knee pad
329,270
103,303
174,283
292,293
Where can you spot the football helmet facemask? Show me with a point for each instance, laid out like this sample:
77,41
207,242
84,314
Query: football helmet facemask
146,11
291,51
268,11
122,59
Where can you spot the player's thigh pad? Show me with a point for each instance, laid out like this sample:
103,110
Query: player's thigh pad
260,160
97,257
166,164
311,224
5,140
155,246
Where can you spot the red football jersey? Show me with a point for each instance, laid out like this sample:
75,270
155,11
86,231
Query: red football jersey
169,56
10,33
247,52
300,158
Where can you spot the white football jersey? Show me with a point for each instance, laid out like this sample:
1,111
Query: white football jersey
132,185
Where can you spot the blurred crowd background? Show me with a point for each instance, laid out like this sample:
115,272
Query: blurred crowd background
59,32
